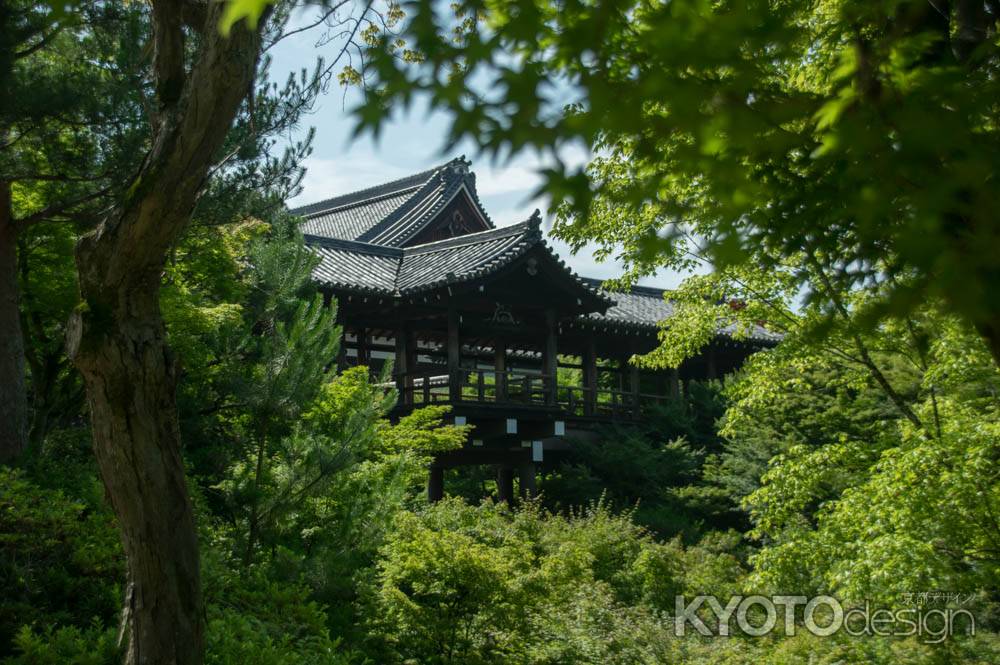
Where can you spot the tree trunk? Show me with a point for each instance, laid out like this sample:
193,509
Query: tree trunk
43,378
116,336
258,480
13,392
130,380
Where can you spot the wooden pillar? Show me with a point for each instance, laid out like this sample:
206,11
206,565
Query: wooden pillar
674,378
411,356
526,480
435,483
362,335
454,355
401,366
505,483
590,377
342,352
633,381
500,366
550,357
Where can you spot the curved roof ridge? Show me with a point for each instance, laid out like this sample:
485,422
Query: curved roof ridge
352,245
475,256
381,233
370,194
530,227
438,191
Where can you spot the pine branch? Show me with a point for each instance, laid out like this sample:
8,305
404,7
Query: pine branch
56,209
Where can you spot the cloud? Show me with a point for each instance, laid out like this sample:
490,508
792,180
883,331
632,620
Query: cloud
522,174
513,180
326,178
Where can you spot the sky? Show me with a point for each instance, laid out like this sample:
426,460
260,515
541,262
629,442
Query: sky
411,143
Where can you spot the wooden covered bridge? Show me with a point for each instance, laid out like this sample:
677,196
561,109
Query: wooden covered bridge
489,320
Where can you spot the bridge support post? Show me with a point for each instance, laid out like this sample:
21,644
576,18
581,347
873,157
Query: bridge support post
435,483
505,483
526,480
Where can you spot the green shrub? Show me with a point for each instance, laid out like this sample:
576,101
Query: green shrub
69,645
466,584
61,562
256,620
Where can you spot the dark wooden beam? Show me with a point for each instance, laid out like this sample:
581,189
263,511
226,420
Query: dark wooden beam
550,356
401,367
511,455
540,428
500,366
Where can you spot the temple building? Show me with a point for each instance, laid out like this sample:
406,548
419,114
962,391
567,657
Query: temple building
489,320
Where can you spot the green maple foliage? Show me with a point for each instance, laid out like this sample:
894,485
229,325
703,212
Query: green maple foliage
861,135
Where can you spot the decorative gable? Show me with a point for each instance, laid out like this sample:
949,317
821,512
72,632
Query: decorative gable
459,217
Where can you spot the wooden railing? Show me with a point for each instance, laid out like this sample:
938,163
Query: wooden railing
484,385
516,387
424,388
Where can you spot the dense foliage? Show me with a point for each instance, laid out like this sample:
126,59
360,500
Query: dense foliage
320,545
860,134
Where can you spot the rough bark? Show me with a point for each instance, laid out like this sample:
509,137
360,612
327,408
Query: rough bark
13,392
116,336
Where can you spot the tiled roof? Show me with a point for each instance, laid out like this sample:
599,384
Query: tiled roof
640,305
362,196
355,266
647,307
400,271
359,240
392,213
465,257
353,221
